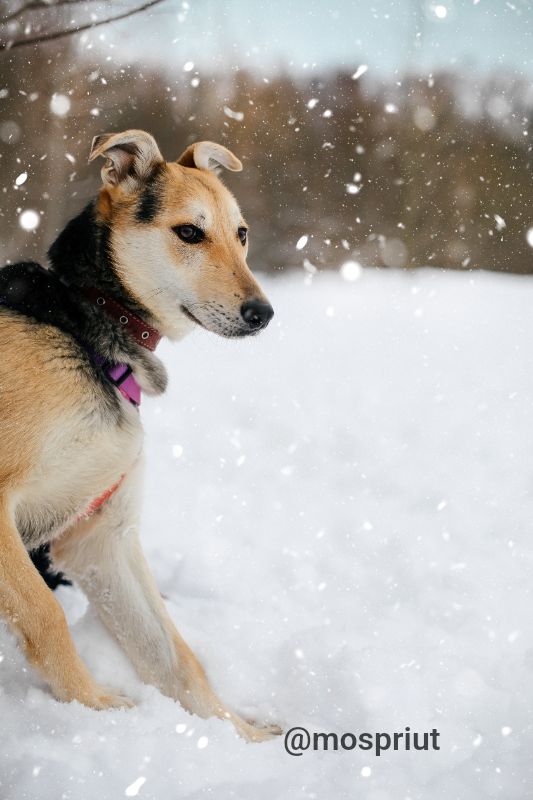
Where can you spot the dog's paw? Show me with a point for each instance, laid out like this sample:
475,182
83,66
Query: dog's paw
103,698
252,732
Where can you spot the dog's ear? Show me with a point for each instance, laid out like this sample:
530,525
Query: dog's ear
208,155
130,157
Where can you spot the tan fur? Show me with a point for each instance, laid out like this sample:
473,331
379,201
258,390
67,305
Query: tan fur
104,555
215,268
59,450
149,255
38,619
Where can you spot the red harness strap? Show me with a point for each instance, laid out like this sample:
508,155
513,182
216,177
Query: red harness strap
98,502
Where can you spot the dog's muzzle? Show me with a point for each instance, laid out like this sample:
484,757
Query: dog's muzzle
256,314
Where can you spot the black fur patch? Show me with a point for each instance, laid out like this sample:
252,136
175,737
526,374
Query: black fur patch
150,199
41,560
80,254
28,288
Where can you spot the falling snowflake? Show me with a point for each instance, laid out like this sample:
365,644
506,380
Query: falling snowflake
237,115
351,271
359,71
133,788
29,220
60,105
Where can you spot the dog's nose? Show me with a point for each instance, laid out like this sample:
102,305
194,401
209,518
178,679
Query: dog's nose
256,313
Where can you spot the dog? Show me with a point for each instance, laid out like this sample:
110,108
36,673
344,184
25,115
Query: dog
160,250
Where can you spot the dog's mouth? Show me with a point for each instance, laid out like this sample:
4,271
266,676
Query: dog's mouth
191,316
227,331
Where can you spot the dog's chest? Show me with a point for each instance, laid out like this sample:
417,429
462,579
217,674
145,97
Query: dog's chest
81,460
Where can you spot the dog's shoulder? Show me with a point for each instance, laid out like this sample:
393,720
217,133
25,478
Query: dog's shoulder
44,369
55,400
34,292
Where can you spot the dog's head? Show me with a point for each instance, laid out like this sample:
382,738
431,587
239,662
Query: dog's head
177,236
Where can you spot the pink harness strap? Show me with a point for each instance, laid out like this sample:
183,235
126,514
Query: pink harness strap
98,502
124,380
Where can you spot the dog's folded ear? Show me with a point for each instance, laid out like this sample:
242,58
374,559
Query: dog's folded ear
131,157
208,155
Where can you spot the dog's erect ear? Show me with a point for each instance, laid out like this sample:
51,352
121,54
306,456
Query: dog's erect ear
130,157
208,155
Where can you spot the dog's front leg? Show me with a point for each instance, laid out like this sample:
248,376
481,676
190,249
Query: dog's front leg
34,614
104,556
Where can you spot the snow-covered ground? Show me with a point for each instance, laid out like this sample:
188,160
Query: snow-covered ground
339,512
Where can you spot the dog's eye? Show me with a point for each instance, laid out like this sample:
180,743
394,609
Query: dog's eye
189,233
243,235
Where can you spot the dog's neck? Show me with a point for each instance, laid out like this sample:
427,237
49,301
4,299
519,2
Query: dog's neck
81,257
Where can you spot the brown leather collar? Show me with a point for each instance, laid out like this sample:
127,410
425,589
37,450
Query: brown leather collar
143,333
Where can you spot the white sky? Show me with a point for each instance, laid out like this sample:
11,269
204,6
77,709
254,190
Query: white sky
387,35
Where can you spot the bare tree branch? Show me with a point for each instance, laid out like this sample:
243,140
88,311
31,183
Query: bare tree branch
37,5
48,37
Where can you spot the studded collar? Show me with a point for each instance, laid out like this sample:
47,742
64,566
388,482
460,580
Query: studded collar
143,333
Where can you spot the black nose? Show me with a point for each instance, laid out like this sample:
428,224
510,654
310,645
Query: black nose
256,313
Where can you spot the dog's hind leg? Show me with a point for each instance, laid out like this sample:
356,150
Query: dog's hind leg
104,556
33,613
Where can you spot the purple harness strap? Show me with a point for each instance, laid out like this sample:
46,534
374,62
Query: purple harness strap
122,377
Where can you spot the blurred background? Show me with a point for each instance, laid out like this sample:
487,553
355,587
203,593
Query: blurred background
395,133
338,512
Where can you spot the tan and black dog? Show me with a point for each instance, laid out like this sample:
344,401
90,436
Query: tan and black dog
161,249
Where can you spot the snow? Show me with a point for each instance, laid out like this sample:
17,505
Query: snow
352,188
236,115
60,105
359,71
441,12
366,568
29,220
351,270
